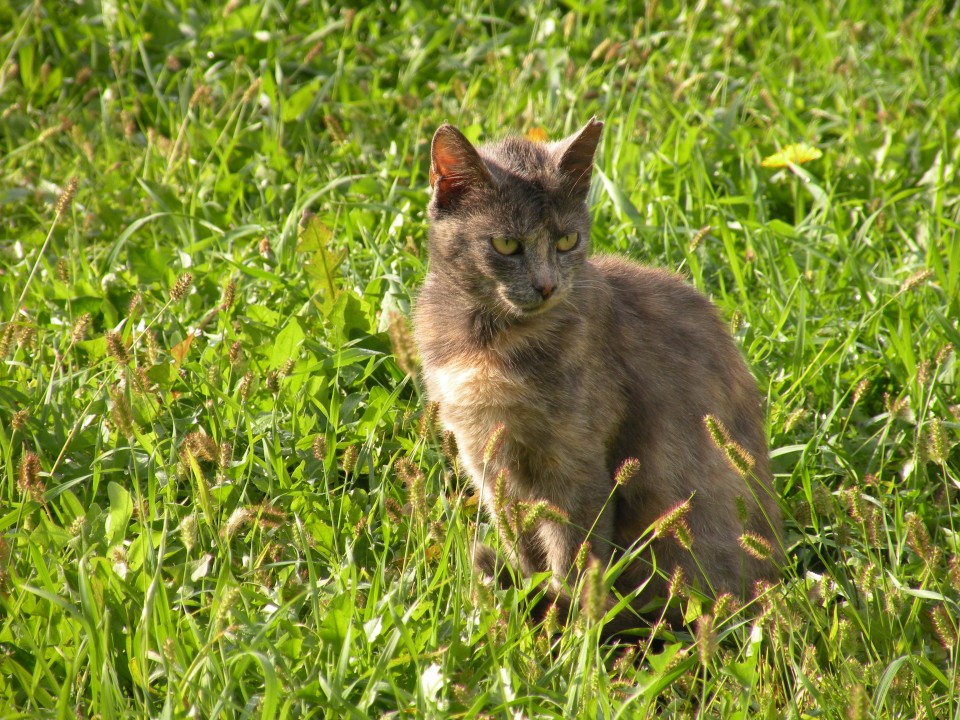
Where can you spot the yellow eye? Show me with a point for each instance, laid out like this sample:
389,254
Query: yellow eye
506,246
568,242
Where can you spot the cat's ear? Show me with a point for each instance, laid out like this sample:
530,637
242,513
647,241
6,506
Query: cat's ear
575,157
455,166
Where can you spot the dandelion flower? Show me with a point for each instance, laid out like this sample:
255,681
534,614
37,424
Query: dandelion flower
796,154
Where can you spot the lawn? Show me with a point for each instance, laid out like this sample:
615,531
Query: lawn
222,492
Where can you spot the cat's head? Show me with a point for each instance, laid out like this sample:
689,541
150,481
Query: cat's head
509,220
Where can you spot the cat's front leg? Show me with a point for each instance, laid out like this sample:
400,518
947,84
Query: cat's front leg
588,503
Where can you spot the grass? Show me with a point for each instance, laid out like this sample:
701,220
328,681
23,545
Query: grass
220,495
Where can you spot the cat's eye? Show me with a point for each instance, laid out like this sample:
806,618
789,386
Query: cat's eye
506,246
568,242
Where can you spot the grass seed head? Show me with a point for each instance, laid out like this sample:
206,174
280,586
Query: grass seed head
698,237
181,287
120,411
235,355
246,385
412,476
320,447
229,295
273,382
116,348
491,448
188,532
63,270
594,592
79,330
674,523
401,340
859,708
28,477
627,471
706,638
429,420
201,446
19,420
66,196
937,442
916,280
6,339
583,552
756,546
348,461
918,538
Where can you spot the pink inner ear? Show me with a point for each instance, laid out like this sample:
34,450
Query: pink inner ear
454,165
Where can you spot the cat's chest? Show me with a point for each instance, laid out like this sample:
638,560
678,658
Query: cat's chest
477,383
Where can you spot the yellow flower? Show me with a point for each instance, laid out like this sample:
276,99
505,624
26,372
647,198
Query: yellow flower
537,135
797,154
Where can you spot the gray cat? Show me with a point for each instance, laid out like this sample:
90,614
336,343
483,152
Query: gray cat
585,364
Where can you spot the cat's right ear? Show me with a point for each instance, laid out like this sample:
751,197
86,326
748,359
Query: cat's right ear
455,166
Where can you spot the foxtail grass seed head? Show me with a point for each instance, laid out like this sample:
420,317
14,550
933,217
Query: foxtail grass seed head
698,237
945,626
944,354
628,470
201,446
63,270
181,287
937,442
448,445
674,522
288,365
953,572
116,349
678,583
859,708
500,499
716,430
595,594
793,418
860,390
413,478
319,447
120,411
918,538
756,546
28,477
239,519
80,328
273,382
188,533
6,339
706,638
224,612
401,340
491,448
583,552
135,305
429,420
916,280
235,355
246,385
153,347
66,196
739,459
349,459
229,295
19,420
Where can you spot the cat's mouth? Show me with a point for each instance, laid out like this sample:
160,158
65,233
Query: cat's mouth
534,307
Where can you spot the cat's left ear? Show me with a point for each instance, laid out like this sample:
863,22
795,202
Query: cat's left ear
575,156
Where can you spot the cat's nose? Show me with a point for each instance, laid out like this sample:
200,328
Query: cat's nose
544,286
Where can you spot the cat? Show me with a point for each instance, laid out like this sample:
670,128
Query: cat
576,364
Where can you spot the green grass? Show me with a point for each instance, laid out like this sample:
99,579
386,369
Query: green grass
226,500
